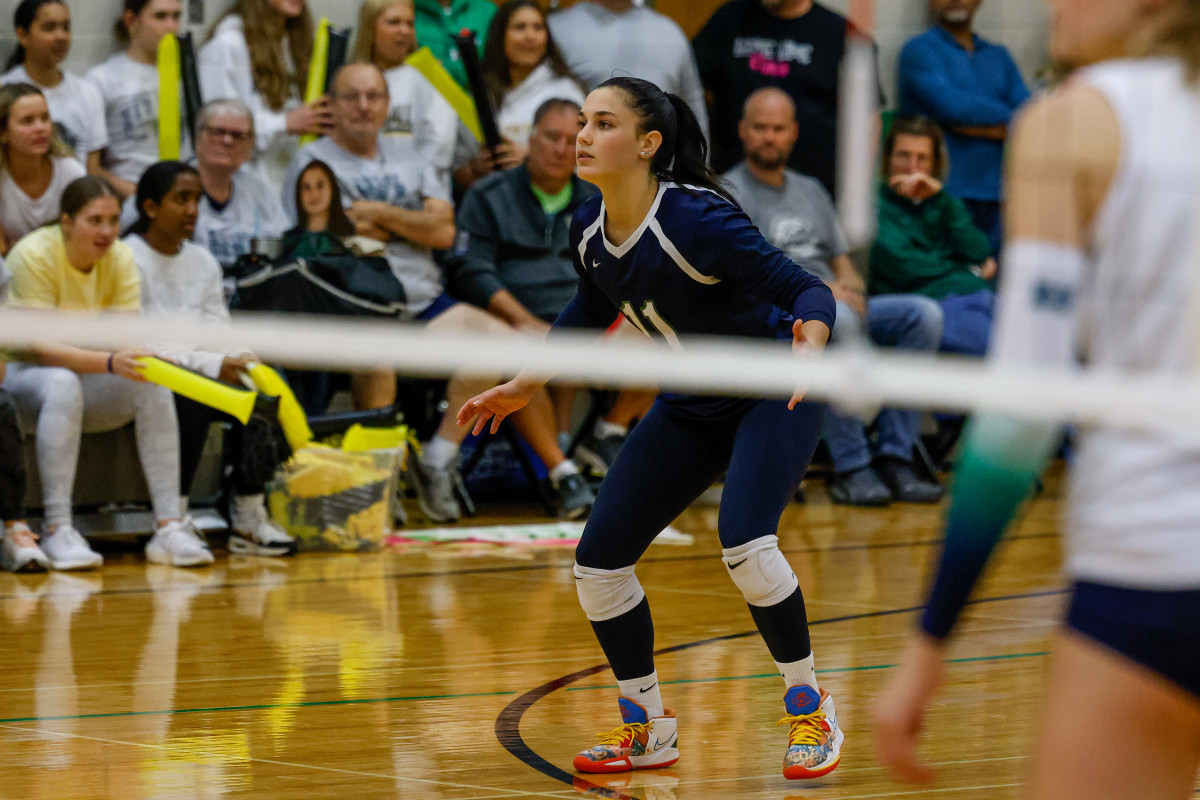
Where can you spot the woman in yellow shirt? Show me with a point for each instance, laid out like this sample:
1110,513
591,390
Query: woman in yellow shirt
65,391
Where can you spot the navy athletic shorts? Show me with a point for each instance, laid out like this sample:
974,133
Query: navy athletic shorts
1157,629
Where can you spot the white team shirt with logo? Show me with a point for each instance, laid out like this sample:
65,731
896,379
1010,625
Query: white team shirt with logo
417,111
253,212
130,94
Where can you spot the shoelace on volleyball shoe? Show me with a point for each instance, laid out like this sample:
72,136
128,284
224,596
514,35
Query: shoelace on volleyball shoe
624,735
22,535
807,729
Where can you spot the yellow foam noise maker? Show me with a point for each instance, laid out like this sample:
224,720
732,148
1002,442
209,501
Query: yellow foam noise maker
426,63
292,418
237,403
317,70
169,120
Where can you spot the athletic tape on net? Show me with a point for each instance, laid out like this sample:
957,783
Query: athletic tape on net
855,378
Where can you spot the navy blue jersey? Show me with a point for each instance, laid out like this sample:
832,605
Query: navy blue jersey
695,266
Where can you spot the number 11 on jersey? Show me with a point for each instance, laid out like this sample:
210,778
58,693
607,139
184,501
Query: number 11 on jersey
651,314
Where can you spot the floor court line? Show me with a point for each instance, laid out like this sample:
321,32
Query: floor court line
491,794
508,723
590,670
829,671
135,590
424,698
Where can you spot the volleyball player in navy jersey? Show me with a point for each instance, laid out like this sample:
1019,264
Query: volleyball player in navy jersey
664,245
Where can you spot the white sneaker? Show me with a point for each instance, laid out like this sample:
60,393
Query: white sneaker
643,742
67,549
19,551
815,738
177,544
256,534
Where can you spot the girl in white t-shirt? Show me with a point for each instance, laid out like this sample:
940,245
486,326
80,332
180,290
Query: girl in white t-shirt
35,166
181,280
128,84
259,52
43,29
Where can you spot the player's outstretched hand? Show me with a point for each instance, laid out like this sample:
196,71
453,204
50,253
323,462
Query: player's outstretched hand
899,711
807,338
494,404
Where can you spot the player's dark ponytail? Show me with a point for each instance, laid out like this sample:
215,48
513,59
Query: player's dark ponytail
683,155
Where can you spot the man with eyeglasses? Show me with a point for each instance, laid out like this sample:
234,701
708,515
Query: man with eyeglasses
237,206
393,195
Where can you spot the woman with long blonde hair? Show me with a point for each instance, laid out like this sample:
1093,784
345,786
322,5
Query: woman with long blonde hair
35,165
1101,265
259,52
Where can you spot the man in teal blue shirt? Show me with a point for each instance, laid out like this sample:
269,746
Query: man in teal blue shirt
971,87
439,21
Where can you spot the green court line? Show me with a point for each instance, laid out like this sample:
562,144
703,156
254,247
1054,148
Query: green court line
263,707
833,670
417,698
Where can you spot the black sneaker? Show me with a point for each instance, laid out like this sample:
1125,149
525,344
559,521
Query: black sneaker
598,452
861,487
905,484
575,497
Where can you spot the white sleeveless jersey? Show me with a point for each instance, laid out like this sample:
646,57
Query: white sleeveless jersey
1134,509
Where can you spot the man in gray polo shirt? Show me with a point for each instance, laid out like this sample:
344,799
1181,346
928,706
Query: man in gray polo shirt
795,214
392,194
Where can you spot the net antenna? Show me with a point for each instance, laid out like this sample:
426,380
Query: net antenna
858,127
1194,316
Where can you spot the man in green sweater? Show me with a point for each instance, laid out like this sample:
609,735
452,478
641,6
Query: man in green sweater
927,243
439,21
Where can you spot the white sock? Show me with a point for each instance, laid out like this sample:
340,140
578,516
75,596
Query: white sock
567,467
438,452
798,673
605,429
246,510
644,692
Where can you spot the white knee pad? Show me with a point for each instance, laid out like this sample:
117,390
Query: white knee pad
761,571
607,593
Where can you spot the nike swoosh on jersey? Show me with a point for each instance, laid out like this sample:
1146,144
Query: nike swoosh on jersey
595,264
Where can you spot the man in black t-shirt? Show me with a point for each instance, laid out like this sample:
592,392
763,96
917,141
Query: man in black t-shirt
795,45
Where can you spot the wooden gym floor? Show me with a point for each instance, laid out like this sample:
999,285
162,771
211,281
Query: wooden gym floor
468,671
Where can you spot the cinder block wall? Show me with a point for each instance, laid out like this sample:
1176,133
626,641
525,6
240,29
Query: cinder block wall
1022,25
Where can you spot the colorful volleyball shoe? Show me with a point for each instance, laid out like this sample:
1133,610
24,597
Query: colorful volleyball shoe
643,742
814,738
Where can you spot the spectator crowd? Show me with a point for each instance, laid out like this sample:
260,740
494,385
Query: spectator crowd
475,236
